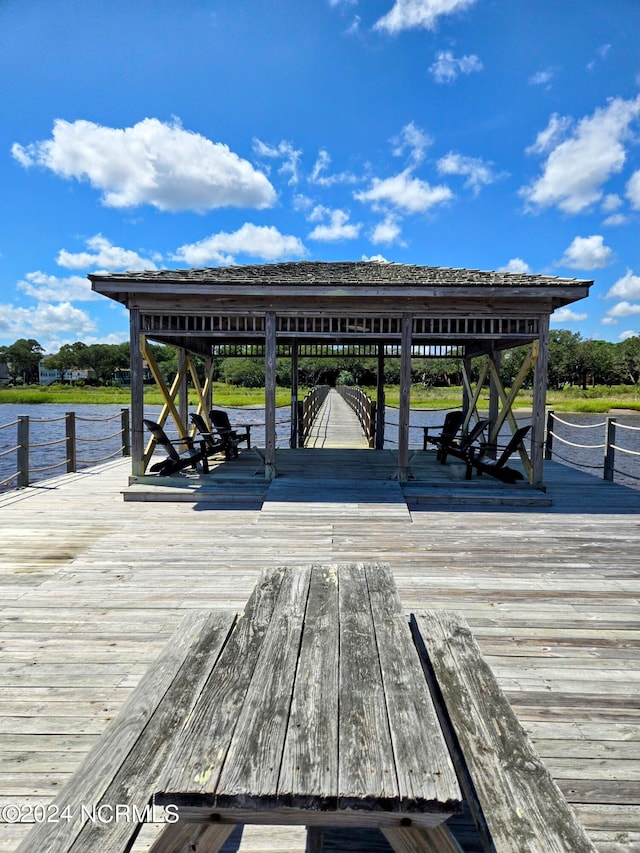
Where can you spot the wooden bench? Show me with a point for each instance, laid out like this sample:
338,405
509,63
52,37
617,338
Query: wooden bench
516,804
121,770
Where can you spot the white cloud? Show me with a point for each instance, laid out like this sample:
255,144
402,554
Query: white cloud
542,77
515,265
318,173
150,163
478,173
633,190
551,136
409,14
611,202
615,220
413,140
284,151
627,287
601,53
258,241
579,165
624,336
354,28
105,255
405,192
338,227
566,315
624,309
387,232
447,68
50,288
44,321
587,253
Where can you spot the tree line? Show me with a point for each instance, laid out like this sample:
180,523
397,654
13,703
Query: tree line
573,361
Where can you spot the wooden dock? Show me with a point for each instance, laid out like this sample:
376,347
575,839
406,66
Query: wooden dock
335,425
91,587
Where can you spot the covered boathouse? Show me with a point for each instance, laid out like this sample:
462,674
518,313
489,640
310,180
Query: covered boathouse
359,307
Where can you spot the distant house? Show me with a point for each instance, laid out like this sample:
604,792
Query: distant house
47,376
122,376
4,373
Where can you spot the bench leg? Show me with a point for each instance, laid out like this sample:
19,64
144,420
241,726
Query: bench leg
182,837
415,839
315,839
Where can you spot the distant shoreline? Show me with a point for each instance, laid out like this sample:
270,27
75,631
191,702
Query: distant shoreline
618,400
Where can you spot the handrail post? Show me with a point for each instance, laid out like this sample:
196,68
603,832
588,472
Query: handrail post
70,430
609,449
372,424
301,435
548,439
23,451
126,432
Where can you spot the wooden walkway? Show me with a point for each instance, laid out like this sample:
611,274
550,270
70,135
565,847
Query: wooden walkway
336,425
92,586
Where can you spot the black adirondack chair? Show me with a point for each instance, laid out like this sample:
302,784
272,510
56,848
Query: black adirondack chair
452,423
498,468
460,447
175,461
212,442
230,435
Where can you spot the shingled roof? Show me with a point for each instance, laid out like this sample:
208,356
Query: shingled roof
352,273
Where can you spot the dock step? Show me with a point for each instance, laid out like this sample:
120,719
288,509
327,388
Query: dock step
238,494
424,494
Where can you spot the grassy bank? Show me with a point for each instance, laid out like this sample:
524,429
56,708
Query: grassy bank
223,395
598,399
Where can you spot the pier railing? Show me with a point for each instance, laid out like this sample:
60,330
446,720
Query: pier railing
363,406
609,428
71,446
308,410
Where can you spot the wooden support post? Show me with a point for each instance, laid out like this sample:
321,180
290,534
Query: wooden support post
293,438
23,451
494,394
548,440
137,394
466,372
609,448
70,441
183,392
540,379
270,396
405,398
126,429
208,387
380,410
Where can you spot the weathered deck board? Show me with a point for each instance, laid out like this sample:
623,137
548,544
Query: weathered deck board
91,588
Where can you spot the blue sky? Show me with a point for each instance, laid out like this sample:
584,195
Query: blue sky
488,134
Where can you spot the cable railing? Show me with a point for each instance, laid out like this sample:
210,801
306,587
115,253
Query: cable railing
61,452
610,428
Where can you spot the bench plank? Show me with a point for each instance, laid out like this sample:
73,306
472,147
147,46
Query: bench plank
310,759
110,775
252,764
516,803
195,764
366,764
423,764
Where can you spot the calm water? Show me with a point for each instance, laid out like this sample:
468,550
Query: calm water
98,422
